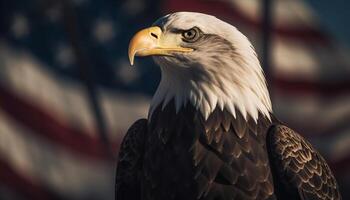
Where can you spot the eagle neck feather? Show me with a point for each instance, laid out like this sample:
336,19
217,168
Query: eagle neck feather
178,88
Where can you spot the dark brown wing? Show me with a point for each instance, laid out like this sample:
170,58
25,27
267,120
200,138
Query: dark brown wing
130,162
300,172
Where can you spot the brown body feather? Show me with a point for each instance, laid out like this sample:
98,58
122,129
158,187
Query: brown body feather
182,156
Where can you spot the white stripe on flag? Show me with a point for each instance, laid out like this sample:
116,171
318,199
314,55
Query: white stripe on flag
53,166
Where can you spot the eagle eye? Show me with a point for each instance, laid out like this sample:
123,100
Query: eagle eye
191,35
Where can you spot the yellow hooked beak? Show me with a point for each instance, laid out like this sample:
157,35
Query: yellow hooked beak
151,41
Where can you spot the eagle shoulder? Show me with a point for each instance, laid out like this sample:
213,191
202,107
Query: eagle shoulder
300,172
129,163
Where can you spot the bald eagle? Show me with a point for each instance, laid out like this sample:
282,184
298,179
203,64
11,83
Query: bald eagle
211,133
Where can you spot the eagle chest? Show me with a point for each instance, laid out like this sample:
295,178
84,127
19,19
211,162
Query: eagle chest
187,157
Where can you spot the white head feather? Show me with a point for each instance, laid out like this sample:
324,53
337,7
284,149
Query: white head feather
223,71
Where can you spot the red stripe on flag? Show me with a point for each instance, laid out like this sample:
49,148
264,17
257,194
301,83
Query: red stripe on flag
22,185
303,87
51,127
233,14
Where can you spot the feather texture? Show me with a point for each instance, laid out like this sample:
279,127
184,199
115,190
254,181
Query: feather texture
180,155
220,157
300,171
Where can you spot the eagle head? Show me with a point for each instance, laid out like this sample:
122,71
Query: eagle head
206,62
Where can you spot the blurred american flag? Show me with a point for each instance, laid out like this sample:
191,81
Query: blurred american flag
49,142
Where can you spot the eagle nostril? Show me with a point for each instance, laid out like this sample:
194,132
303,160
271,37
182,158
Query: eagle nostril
154,35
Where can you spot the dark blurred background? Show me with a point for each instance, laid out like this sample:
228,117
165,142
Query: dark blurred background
68,93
